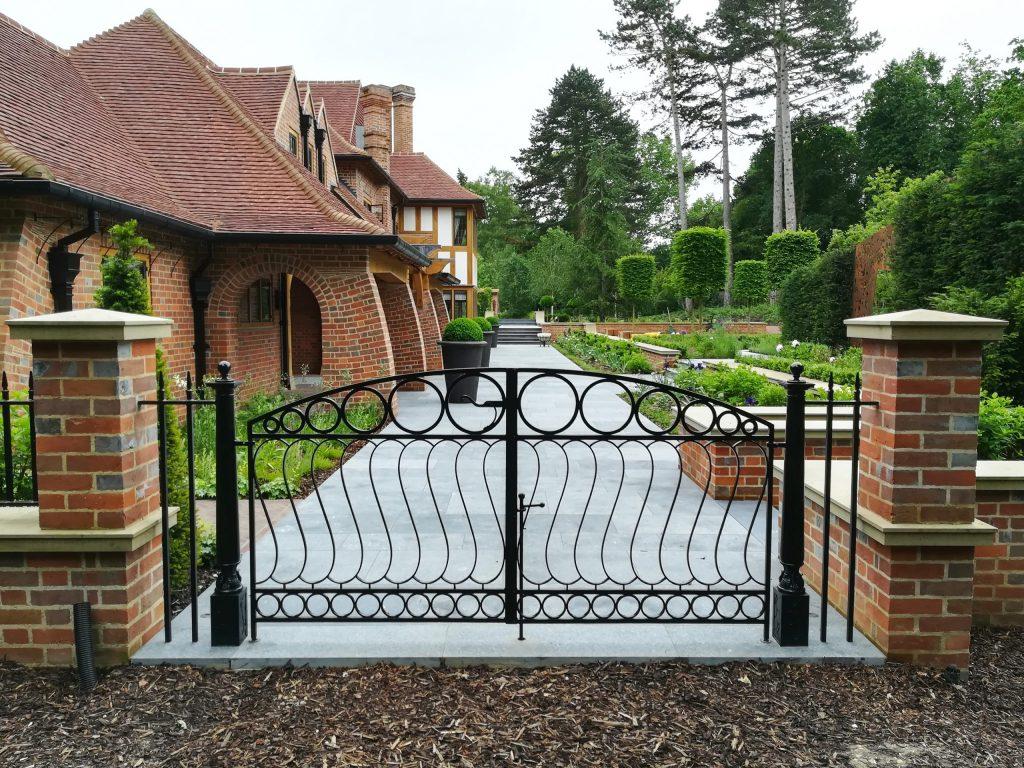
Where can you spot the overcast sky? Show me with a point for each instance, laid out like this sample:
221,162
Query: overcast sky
480,67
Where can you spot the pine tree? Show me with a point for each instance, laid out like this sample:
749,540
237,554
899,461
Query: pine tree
651,35
809,50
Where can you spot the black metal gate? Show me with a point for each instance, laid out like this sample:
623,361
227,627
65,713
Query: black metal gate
549,495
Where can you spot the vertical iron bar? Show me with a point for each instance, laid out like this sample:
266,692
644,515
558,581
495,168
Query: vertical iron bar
8,443
193,579
791,604
250,480
851,579
228,625
165,532
513,611
826,527
769,525
32,436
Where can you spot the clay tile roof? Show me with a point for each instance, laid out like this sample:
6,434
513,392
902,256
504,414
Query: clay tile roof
342,100
138,114
260,89
422,179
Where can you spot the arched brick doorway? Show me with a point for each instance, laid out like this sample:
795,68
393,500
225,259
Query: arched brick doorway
305,331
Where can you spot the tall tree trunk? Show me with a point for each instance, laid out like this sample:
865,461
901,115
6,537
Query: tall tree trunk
778,216
789,191
677,143
726,187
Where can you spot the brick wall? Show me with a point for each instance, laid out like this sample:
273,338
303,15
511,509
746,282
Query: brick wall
440,309
999,575
431,331
307,343
870,259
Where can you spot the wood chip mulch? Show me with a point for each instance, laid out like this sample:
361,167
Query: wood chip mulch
667,714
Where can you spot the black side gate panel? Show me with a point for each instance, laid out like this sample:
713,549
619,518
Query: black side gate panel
548,496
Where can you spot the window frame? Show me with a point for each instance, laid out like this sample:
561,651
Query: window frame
258,296
293,143
456,213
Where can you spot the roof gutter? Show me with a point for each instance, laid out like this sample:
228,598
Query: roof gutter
91,200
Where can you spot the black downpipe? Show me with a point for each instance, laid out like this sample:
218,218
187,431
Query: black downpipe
200,286
304,124
284,307
64,265
84,651
319,135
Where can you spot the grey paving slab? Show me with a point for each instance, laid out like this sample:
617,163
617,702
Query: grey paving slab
429,513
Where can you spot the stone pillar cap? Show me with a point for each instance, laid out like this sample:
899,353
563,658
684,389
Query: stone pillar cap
925,325
90,325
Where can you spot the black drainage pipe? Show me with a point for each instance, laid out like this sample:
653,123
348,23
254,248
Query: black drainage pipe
84,653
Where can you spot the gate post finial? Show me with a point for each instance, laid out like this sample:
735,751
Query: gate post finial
790,601
228,625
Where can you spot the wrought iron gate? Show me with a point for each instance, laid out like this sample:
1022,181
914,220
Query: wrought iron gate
548,497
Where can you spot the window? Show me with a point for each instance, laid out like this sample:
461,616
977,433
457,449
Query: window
360,136
378,211
461,231
257,304
293,144
460,304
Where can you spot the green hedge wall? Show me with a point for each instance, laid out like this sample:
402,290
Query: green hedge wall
815,300
787,251
750,282
635,278
698,260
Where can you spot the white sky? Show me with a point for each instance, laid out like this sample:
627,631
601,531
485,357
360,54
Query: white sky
480,67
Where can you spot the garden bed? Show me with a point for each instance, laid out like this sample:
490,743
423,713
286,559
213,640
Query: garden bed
658,714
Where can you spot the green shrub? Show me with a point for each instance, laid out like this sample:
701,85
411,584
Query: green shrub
750,282
1000,429
485,324
634,276
637,363
698,260
787,251
462,329
123,286
738,386
483,299
833,275
546,301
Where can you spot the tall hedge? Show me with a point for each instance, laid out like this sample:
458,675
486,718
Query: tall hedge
635,278
816,298
787,251
749,282
699,261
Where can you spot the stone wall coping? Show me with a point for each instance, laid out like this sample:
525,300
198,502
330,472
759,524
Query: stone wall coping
654,348
876,527
21,532
90,325
1000,475
925,325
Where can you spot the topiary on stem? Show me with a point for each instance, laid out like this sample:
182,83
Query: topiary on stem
787,251
462,329
698,260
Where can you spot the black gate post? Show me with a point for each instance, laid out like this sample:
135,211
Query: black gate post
228,624
790,602
512,609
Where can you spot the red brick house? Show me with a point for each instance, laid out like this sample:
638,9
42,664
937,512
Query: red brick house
292,235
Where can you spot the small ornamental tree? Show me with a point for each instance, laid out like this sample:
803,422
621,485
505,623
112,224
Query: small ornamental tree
634,276
698,259
786,251
124,289
546,302
750,282
483,300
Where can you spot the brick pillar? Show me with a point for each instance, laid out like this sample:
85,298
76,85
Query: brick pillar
430,329
376,104
96,534
403,328
402,97
440,309
917,481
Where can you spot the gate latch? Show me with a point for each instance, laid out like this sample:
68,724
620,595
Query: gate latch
523,506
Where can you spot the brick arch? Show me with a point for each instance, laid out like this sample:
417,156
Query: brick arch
355,343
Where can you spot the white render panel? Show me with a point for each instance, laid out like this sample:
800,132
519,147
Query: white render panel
426,219
444,226
462,266
409,219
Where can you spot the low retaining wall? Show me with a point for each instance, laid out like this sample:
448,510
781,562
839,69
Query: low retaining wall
999,567
628,330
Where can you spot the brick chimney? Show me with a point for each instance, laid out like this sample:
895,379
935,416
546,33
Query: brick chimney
376,102
402,96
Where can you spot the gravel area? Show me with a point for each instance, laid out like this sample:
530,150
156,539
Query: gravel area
664,714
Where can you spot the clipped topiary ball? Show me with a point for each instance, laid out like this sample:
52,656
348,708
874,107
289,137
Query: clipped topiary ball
462,329
484,323
637,363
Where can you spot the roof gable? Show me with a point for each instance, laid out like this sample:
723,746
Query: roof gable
422,179
262,90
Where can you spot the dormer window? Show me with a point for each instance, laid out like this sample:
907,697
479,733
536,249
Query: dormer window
360,136
293,143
